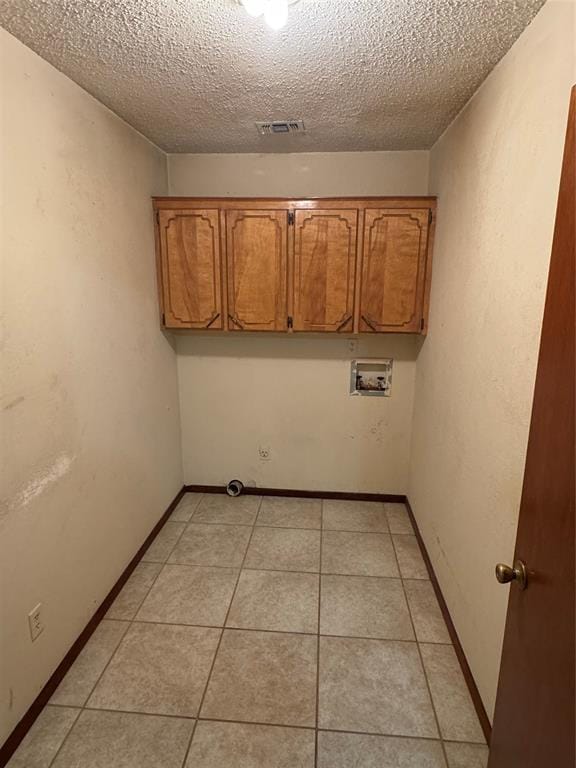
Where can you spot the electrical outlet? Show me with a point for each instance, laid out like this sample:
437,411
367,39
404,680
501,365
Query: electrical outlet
264,453
36,622
353,346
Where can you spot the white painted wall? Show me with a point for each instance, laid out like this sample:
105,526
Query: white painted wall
90,449
290,394
496,171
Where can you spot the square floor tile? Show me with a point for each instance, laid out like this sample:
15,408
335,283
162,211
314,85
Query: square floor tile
263,677
410,560
134,591
164,543
398,518
159,669
186,508
202,544
351,750
374,686
360,554
220,508
190,594
466,755
44,739
123,740
456,714
235,745
284,549
84,673
287,512
426,614
276,600
344,515
358,606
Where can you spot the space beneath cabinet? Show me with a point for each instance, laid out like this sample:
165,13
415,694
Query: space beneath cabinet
324,265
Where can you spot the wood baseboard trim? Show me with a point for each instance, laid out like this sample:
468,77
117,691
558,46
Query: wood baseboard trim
20,731
466,671
397,498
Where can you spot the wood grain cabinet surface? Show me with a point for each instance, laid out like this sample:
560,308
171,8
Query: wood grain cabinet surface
256,248
324,269
191,270
346,265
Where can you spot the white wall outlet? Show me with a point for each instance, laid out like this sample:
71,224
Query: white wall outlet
36,622
264,453
353,346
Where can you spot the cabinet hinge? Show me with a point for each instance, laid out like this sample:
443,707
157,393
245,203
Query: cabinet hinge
290,322
422,324
163,319
291,217
430,216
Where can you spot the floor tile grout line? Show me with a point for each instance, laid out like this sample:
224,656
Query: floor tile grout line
189,744
387,532
269,632
194,508
258,723
209,676
280,632
165,561
319,573
154,580
289,570
130,622
318,640
65,739
436,718
163,566
140,712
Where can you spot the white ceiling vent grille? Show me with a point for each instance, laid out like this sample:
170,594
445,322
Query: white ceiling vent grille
280,127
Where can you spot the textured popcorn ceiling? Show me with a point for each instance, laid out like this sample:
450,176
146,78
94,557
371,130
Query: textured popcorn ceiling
194,75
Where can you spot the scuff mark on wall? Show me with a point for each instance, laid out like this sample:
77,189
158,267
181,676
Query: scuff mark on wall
38,484
13,403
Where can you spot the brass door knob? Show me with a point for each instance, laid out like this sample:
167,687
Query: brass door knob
506,574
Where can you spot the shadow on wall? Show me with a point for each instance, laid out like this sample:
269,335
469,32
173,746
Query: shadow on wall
401,347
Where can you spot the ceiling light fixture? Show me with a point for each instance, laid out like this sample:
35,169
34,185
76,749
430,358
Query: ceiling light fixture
275,12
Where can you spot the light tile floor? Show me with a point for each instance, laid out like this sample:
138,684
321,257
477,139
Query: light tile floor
267,633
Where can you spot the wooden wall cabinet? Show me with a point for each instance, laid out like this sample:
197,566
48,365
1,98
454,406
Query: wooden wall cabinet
191,268
256,250
393,270
324,268
359,265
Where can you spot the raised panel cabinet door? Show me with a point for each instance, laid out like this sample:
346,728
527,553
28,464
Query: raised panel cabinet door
324,269
256,245
191,268
393,270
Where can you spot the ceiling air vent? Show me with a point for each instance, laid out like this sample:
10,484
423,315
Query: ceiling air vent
280,127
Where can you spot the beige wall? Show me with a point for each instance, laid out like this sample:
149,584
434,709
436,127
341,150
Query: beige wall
496,171
290,394
90,450
290,397
314,174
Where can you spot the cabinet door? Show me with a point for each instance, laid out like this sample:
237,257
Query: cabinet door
191,269
324,269
393,270
256,242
